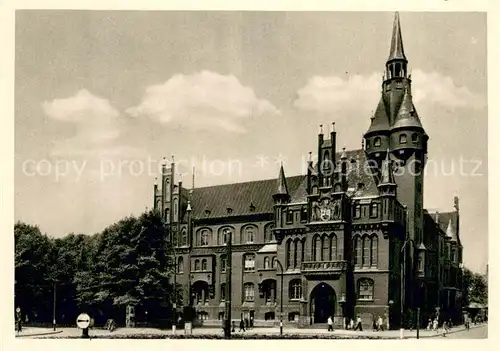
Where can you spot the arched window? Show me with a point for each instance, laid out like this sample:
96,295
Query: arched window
249,292
377,141
223,292
204,237
303,214
204,266
374,251
197,265
267,264
325,248
357,250
224,235
303,249
333,253
402,138
357,211
249,233
180,265
274,263
365,289
183,241
289,216
223,263
414,137
167,215
374,210
289,253
327,163
314,190
295,252
249,262
268,233
366,251
295,290
316,249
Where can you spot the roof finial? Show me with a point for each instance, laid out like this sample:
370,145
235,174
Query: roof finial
173,159
320,129
310,156
333,127
156,180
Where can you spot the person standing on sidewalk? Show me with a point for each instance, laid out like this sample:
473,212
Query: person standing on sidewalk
242,325
330,324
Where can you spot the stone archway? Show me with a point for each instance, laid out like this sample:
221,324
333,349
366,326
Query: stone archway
323,300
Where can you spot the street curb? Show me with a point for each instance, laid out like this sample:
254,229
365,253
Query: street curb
440,334
39,334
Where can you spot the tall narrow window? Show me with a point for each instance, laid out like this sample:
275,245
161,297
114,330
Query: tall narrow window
223,263
289,216
366,251
357,211
183,237
325,245
289,253
414,137
204,266
377,141
249,234
374,251
268,233
223,292
303,214
204,237
249,292
274,263
317,249
374,210
303,249
197,265
249,262
357,250
267,264
333,253
402,139
295,291
295,252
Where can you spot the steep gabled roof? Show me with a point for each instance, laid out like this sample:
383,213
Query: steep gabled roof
380,120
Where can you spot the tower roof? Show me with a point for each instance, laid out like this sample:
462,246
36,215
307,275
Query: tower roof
397,51
282,188
386,175
407,115
450,232
380,120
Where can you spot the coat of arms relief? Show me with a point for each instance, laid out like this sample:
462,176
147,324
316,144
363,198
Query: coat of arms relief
326,210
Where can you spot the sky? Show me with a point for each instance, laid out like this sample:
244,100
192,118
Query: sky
102,96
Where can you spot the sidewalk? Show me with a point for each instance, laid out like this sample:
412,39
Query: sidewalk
151,332
35,331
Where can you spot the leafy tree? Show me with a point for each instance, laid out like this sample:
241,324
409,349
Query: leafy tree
476,287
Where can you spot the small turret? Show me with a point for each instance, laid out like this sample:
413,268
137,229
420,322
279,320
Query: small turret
281,196
387,184
450,232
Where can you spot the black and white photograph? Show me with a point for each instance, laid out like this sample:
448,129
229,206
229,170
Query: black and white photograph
249,174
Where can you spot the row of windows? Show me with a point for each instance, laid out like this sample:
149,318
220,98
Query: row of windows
249,263
325,248
373,210
402,140
366,249
268,291
294,253
249,235
290,215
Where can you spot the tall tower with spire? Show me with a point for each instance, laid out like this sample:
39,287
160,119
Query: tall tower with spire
396,129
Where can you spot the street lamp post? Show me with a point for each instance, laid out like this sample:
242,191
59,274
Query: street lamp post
54,307
281,297
227,326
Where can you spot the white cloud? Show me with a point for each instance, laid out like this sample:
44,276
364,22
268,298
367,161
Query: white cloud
361,93
202,101
95,119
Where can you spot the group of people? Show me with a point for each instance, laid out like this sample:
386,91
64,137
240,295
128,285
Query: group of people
349,324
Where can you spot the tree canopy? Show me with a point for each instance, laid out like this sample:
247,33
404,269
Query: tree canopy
128,263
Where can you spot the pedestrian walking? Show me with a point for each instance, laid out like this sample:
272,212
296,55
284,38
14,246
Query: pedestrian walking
429,324
233,326
380,323
330,324
375,324
346,322
435,325
351,324
242,325
445,327
358,324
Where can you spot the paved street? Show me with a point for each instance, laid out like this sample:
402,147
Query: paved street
478,332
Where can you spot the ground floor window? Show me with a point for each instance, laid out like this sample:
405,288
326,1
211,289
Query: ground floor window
269,316
293,316
221,316
202,316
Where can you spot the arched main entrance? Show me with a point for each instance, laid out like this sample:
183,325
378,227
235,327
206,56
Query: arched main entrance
323,302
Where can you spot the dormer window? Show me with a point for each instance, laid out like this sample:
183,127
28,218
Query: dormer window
229,210
367,144
252,207
377,141
402,139
207,212
361,186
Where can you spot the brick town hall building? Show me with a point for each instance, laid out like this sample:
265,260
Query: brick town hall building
338,231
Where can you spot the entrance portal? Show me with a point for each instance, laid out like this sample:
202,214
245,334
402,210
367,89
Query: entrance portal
322,303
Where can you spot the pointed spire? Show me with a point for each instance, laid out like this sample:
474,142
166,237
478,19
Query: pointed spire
407,115
386,175
397,51
450,231
189,206
282,188
320,129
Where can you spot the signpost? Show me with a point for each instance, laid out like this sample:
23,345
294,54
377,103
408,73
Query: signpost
83,322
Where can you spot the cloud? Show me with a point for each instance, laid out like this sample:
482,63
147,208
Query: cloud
361,93
95,119
202,101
